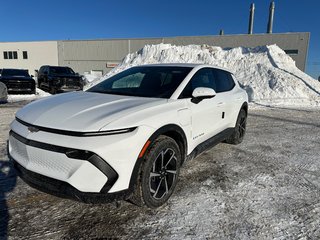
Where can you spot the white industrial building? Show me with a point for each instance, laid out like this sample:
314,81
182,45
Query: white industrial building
103,54
28,55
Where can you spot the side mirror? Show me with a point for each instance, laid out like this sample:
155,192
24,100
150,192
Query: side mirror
31,76
201,93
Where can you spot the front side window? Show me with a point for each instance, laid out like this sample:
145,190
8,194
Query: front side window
151,81
203,78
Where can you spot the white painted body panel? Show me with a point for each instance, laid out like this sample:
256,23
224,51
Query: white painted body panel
86,111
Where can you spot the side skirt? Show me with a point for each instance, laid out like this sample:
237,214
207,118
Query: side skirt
210,143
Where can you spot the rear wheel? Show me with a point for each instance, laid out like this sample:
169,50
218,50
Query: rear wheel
158,173
239,130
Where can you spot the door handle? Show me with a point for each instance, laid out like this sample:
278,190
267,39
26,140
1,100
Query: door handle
221,103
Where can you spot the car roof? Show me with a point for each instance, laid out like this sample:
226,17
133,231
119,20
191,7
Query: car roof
191,65
14,69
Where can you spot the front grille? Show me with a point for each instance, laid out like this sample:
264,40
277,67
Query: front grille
19,149
56,161
42,160
19,85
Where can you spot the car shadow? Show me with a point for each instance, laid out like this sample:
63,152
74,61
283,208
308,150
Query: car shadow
8,179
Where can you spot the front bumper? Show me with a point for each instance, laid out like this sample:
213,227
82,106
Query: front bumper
88,165
20,87
62,189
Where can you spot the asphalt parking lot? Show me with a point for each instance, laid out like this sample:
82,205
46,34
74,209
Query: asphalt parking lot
268,187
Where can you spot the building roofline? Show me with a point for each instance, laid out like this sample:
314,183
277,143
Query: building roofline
151,38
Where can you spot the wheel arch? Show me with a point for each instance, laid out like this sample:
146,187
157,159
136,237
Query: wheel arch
171,130
176,133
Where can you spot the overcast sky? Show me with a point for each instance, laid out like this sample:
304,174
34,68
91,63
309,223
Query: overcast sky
29,20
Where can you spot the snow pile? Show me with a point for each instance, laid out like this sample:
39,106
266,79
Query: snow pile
267,73
91,77
27,97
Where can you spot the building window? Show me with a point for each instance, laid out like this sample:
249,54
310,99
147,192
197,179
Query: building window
291,51
25,54
10,55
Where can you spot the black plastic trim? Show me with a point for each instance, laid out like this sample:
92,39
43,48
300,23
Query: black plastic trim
210,143
78,154
63,189
74,133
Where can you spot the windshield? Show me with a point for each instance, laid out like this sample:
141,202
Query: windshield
151,81
14,73
61,71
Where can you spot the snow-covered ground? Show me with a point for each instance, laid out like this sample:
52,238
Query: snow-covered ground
27,97
268,74
268,187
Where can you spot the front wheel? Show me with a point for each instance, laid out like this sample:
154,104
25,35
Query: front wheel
239,130
158,173
53,90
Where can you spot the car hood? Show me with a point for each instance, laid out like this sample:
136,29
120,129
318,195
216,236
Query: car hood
83,111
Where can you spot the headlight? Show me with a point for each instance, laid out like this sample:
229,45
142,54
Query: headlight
110,132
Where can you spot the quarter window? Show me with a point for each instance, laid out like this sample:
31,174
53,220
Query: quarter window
223,80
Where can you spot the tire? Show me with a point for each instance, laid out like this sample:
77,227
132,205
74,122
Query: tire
239,130
158,174
52,90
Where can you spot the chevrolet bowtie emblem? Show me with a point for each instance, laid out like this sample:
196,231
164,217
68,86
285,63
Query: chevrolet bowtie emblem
33,129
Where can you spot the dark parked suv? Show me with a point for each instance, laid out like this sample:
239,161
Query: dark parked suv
59,79
18,81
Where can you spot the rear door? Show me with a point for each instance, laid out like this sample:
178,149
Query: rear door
224,87
226,93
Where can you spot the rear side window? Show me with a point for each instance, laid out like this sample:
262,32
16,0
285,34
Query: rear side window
223,80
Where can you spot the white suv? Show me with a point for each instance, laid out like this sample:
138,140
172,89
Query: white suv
127,137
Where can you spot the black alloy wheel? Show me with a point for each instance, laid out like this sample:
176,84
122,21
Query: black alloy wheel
240,129
158,174
163,174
